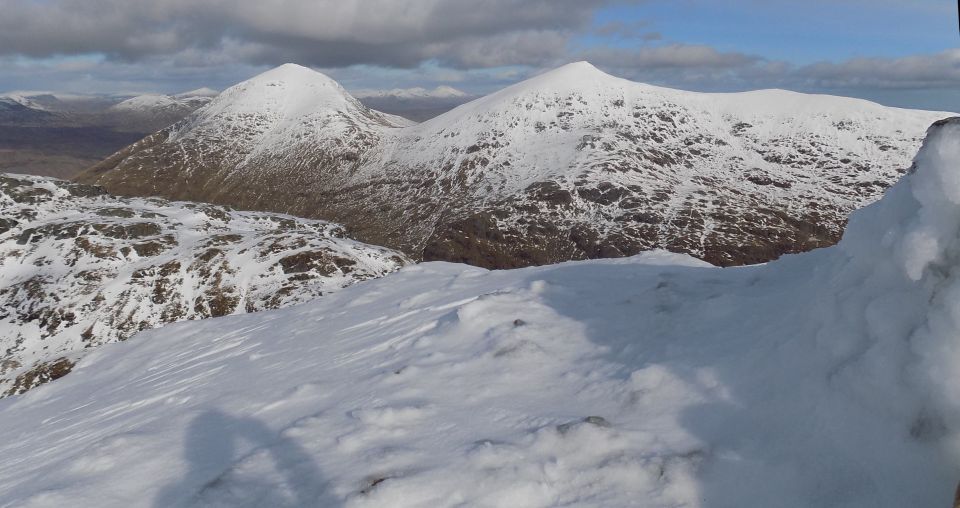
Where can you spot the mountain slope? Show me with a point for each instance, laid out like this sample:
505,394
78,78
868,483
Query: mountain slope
79,268
826,379
16,109
283,135
571,164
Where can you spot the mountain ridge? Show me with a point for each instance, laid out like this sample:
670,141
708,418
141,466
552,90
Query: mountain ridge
571,164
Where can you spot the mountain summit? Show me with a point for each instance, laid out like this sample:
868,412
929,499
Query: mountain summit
279,106
570,164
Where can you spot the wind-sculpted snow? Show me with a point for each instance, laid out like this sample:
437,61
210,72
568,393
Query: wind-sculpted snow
572,164
80,268
827,379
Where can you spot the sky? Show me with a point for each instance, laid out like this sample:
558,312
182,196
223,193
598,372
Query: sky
897,52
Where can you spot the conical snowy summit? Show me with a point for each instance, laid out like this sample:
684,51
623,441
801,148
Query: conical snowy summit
280,106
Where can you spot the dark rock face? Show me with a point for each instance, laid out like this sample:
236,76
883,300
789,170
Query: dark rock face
488,241
41,373
555,169
80,268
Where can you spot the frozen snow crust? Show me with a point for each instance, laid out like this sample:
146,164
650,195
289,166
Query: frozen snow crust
828,379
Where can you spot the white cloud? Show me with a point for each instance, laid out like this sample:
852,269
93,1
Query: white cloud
400,33
919,71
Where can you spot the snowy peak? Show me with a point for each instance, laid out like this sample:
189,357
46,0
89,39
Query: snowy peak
289,87
280,106
920,216
583,89
293,72
577,72
577,76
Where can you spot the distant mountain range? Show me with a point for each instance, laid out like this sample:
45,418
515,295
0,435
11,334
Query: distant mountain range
17,109
154,112
418,104
59,135
48,109
571,164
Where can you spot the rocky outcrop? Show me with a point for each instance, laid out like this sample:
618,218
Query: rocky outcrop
80,268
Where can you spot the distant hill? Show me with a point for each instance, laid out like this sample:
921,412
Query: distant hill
59,135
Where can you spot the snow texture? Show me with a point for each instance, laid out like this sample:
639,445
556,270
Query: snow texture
827,379
80,268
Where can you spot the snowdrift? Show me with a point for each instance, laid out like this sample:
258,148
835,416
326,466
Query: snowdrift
827,379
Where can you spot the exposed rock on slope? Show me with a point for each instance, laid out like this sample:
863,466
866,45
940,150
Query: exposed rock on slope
572,164
80,268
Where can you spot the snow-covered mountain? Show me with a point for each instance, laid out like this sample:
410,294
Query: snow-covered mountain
155,112
571,164
80,268
827,379
298,127
22,99
18,109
